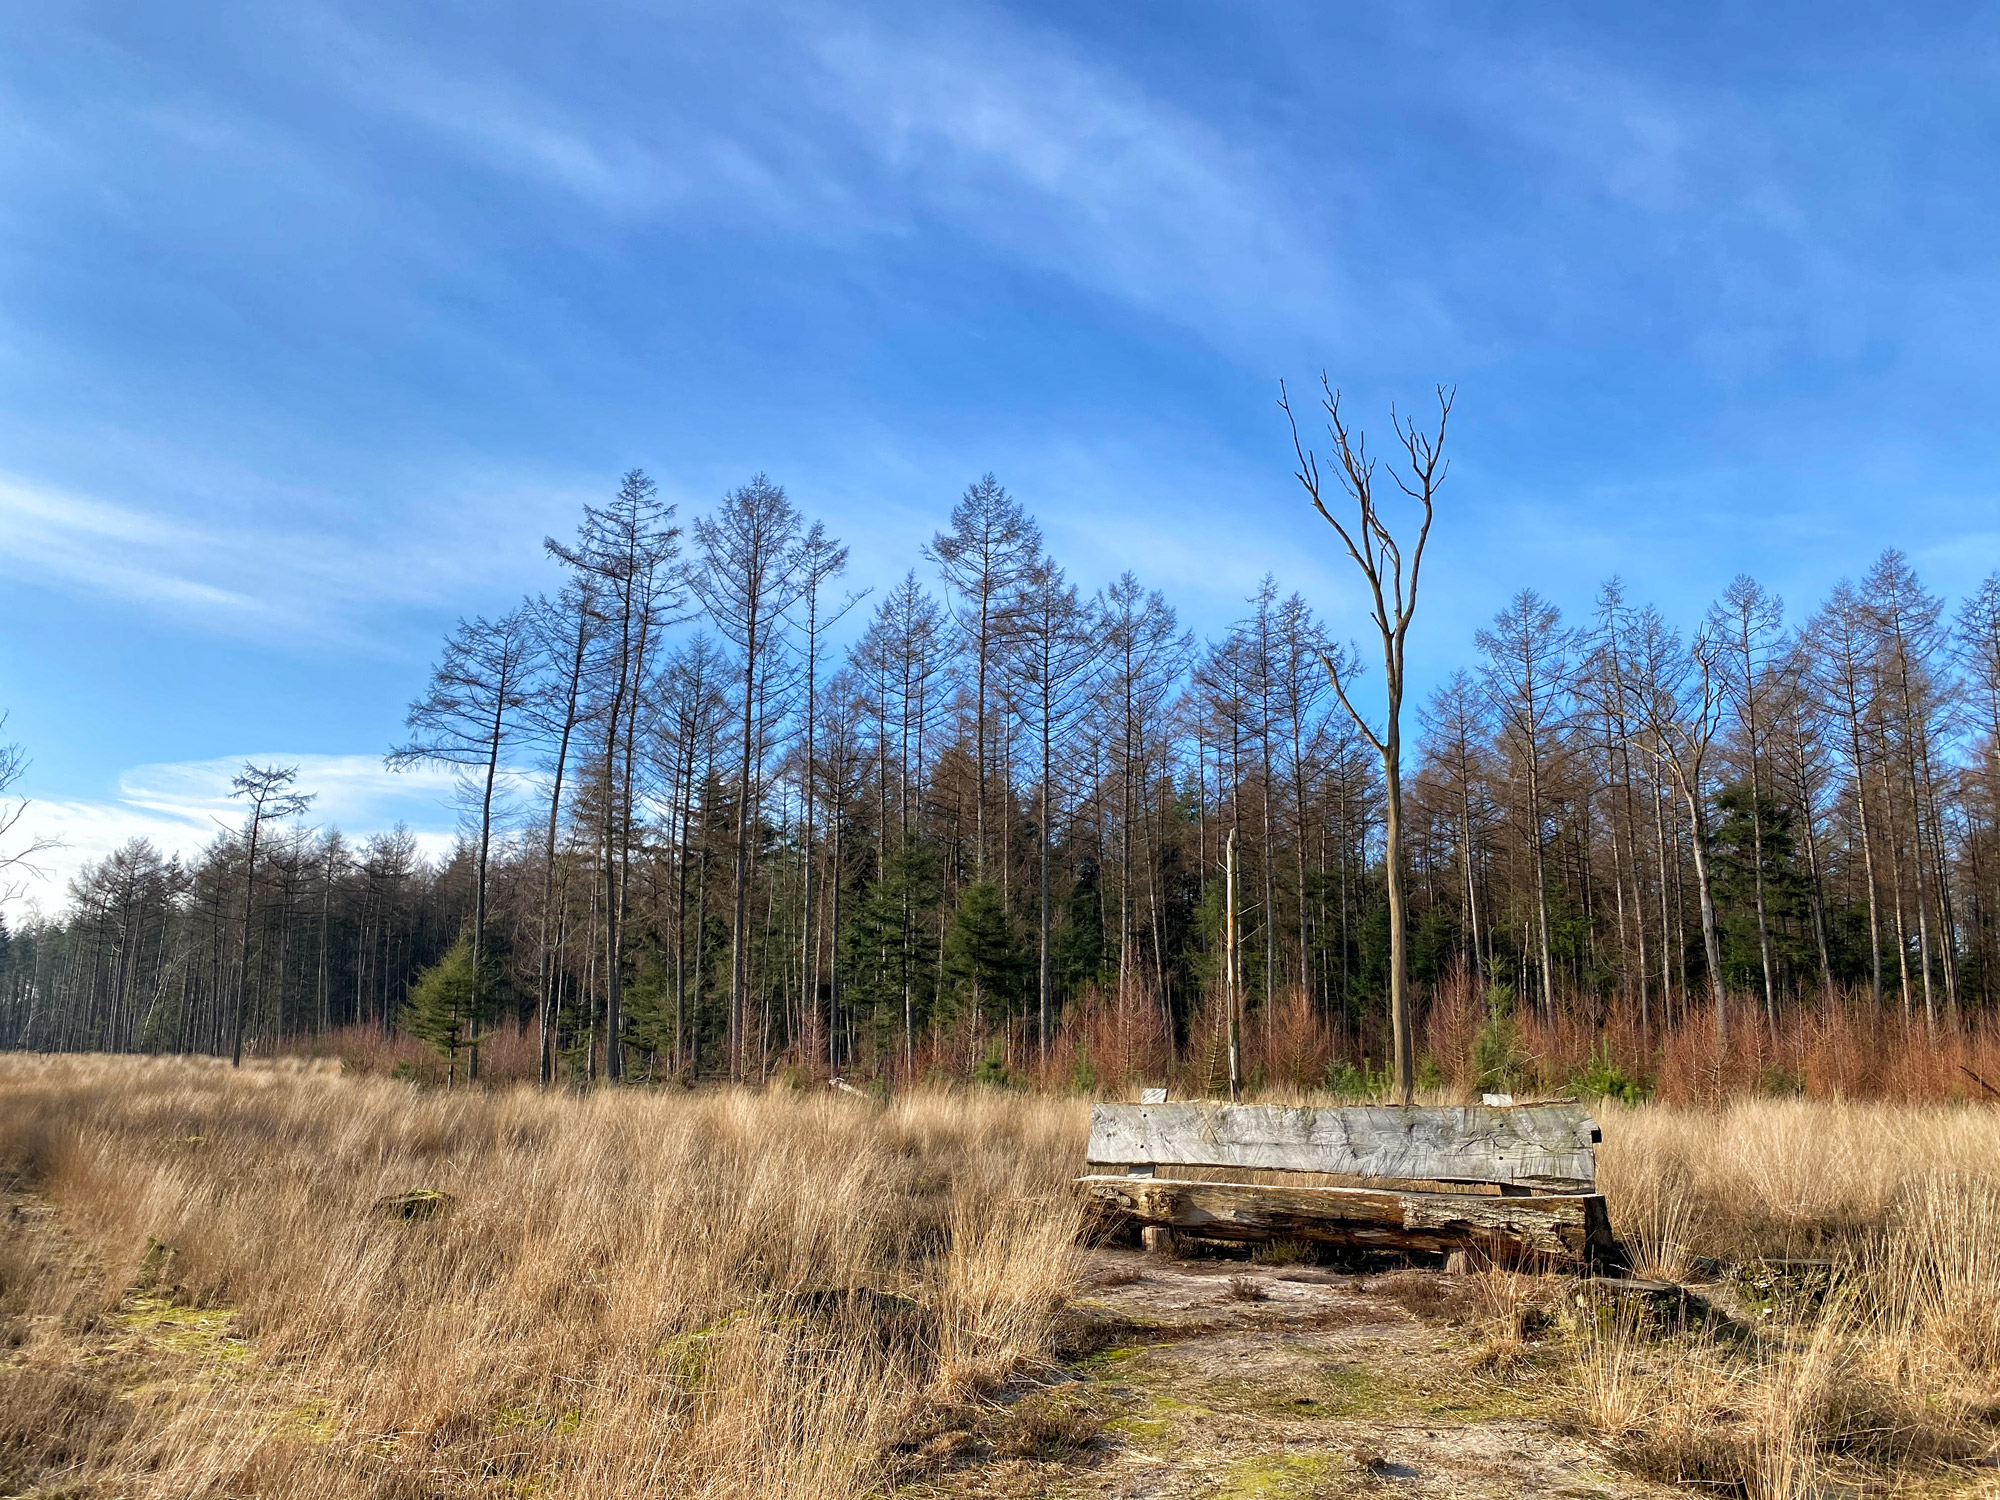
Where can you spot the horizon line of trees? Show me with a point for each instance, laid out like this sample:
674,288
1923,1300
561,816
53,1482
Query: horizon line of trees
701,842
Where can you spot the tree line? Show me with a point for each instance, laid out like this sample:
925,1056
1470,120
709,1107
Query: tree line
702,841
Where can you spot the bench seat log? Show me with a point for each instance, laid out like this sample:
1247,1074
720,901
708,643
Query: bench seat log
1540,1147
1565,1228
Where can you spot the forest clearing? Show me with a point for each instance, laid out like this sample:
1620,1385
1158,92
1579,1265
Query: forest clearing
982,750
292,1280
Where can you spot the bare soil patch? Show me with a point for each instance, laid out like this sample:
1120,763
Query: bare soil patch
1225,1378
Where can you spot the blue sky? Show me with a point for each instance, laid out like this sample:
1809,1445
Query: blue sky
315,318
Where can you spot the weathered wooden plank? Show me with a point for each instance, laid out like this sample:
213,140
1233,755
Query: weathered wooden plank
1256,1177
1566,1228
1546,1145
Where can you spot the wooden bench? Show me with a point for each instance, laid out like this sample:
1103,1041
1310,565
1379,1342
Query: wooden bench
1517,1184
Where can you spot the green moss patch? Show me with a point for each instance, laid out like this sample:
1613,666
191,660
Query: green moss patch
1280,1476
198,1333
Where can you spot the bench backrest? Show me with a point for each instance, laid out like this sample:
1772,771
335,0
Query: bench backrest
1538,1145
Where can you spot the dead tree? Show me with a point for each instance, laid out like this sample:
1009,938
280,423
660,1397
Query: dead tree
1675,704
625,556
268,791
1373,546
1750,620
13,765
1055,658
1527,676
565,630
820,560
481,682
751,571
983,559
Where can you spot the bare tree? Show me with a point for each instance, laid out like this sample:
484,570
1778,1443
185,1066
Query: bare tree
1751,621
1054,655
626,551
749,574
1979,642
1222,692
1910,636
1299,644
1839,649
1145,654
1675,707
1798,755
1454,725
690,705
1607,666
899,661
1265,675
478,686
267,790
564,630
983,558
820,560
840,770
21,861
1979,656
1527,677
1372,545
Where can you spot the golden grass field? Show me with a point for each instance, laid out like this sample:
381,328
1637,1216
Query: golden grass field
778,1294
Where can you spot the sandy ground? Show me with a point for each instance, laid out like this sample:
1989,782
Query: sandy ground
1225,1379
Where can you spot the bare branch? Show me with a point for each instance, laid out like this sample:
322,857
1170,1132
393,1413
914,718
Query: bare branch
1340,691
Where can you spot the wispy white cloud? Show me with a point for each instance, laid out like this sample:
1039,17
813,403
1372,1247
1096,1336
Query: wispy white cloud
824,124
117,549
350,791
1072,166
299,567
182,806
494,116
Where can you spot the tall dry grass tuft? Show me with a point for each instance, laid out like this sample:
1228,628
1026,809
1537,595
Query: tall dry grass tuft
725,1294
1862,1243
1789,1177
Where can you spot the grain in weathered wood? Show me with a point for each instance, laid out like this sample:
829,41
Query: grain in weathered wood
1258,1177
1541,1146
1566,1228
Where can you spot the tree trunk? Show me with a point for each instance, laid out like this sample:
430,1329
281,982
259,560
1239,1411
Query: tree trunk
1401,1027
243,960
1232,998
738,951
1710,940
1047,968
1541,876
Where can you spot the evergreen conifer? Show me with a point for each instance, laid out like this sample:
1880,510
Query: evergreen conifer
982,954
442,1002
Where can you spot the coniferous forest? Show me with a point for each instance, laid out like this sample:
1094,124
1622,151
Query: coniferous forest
701,839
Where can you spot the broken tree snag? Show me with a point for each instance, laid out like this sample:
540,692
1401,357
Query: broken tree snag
1535,1146
1561,1229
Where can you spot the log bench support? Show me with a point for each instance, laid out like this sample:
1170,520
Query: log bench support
1556,1229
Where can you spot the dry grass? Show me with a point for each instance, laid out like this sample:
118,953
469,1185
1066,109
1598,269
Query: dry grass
729,1294
1869,1367
1785,1177
777,1294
